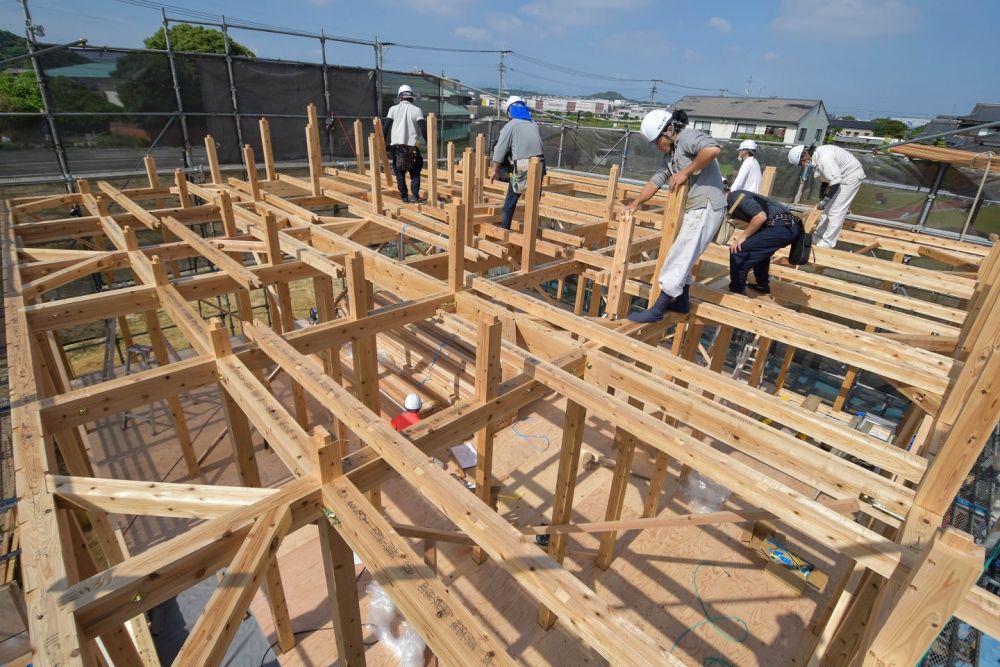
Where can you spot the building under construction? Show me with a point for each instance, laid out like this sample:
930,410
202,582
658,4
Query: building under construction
581,489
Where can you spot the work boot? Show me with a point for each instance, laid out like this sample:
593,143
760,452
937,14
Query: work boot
681,303
737,290
760,289
654,313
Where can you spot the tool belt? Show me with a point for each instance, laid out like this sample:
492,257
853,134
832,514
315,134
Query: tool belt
405,157
783,219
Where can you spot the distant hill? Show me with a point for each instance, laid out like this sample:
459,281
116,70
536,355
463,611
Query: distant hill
606,95
14,45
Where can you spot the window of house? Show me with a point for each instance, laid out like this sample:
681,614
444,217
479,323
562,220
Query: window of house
802,134
778,133
819,134
703,125
745,128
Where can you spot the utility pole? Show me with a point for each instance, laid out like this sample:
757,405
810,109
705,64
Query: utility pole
749,81
30,30
652,92
378,77
501,68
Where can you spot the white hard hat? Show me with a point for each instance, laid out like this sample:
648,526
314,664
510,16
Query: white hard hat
511,101
795,154
412,403
653,124
748,145
404,91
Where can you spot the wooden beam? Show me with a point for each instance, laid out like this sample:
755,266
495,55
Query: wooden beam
487,379
529,230
432,158
216,627
931,594
359,146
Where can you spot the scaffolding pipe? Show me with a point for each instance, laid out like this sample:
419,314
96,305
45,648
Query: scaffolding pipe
186,150
232,86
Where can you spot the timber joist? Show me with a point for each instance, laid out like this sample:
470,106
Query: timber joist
513,343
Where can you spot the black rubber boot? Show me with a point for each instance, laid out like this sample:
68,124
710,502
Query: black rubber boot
681,303
761,289
655,313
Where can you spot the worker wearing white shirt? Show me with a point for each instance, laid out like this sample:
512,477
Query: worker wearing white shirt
748,177
842,175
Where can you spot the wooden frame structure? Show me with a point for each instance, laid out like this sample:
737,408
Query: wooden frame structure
878,503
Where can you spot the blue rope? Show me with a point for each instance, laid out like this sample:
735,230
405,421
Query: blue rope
527,437
435,358
713,621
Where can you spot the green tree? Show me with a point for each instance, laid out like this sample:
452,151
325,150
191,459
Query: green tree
186,37
12,45
848,118
19,93
887,127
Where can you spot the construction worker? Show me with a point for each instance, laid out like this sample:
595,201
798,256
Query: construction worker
842,175
521,140
689,154
748,177
404,124
410,414
770,227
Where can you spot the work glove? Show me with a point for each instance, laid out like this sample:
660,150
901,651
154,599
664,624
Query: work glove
823,203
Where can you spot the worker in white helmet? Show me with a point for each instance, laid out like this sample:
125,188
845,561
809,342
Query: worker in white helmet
519,141
404,125
841,176
748,177
689,155
410,414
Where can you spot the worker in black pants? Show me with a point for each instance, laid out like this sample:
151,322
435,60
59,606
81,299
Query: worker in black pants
770,227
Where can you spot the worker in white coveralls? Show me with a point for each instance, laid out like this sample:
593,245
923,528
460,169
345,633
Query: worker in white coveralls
689,155
404,125
841,176
748,177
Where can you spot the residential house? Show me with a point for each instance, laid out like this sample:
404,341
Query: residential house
855,133
788,121
982,140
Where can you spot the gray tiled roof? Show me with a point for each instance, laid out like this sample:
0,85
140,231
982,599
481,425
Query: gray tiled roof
747,108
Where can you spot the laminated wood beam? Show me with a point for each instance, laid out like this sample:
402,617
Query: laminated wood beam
823,430
432,158
381,153
588,616
618,301
100,262
673,218
529,230
266,149
215,629
359,146
487,379
931,594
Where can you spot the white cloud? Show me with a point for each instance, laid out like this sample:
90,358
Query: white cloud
557,15
471,33
720,24
830,20
691,55
771,57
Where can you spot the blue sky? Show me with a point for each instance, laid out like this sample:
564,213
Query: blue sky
862,57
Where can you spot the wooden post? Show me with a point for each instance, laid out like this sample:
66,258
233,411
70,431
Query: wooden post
182,188
315,151
376,184
364,352
381,153
932,592
432,158
611,200
451,163
767,180
265,145
529,230
323,290
251,166
618,300
673,217
468,192
213,159
562,506
456,247
487,379
480,167
359,146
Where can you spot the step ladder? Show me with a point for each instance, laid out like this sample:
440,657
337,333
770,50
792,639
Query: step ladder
747,357
142,355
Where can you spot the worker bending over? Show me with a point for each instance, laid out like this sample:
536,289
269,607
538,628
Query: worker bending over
770,227
519,141
410,414
841,174
689,154
404,124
